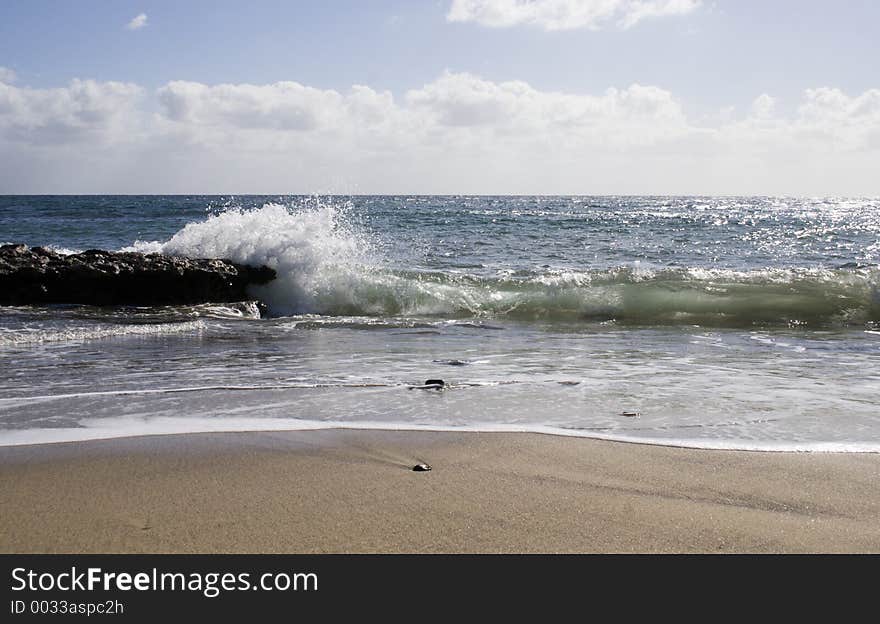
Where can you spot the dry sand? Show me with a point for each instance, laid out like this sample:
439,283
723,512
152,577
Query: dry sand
351,491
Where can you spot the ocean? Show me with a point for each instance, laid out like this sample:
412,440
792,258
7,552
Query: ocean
708,322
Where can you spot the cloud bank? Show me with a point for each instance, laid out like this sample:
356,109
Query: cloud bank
565,14
459,133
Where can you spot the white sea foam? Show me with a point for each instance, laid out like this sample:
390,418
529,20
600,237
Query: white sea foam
144,247
241,309
22,336
64,251
321,262
126,427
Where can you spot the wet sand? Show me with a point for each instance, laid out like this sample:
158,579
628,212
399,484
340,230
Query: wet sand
347,491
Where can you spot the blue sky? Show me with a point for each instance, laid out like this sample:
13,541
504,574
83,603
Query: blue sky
713,59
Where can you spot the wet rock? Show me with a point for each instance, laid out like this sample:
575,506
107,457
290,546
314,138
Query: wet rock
36,275
431,384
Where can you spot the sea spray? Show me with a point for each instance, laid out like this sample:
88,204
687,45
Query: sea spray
319,258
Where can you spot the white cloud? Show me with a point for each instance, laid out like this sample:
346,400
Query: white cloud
635,115
459,133
137,22
565,14
763,106
634,12
7,75
279,106
84,110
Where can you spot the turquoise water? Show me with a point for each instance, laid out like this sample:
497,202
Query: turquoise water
723,322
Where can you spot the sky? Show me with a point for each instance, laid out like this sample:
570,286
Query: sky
724,97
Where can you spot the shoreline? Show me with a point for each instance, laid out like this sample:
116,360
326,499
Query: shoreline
353,491
709,444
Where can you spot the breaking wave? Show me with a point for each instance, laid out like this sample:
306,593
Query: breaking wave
328,267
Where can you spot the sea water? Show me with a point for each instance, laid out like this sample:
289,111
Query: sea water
741,323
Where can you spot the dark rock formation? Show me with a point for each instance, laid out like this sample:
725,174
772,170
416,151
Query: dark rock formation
39,275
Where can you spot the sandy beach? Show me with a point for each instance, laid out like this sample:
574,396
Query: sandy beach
347,491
